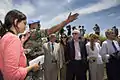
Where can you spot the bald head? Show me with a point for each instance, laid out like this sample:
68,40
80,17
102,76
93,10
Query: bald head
52,37
76,31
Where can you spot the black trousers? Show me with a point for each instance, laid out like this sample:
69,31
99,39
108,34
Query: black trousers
76,70
113,69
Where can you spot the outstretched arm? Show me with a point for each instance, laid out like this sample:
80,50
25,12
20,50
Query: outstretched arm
62,24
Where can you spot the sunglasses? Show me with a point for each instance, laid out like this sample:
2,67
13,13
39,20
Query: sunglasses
74,33
63,37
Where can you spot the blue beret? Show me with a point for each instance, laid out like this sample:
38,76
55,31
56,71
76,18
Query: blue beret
33,21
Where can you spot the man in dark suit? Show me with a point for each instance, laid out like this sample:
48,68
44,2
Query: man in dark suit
76,58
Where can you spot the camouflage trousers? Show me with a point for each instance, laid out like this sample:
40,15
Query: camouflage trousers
38,75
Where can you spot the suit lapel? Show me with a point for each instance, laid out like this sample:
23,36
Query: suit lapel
81,48
49,48
72,47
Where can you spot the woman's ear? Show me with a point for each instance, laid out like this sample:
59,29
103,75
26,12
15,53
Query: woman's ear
15,22
16,25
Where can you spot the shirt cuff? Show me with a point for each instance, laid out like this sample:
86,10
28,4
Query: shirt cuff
23,73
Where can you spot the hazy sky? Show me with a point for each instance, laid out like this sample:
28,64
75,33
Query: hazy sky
106,13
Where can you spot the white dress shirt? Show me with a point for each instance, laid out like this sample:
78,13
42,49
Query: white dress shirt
77,50
107,49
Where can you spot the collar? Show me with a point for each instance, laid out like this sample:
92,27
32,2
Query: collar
51,42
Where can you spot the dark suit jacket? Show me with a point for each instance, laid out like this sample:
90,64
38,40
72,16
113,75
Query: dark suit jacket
71,50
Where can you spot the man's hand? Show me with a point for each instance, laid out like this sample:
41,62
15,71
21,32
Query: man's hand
62,24
27,35
115,55
72,17
26,51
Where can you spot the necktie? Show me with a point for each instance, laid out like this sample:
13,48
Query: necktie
119,44
114,46
117,54
52,47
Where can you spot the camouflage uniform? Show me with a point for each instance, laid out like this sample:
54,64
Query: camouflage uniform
34,43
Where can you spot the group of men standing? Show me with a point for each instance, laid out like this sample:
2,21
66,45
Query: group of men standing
76,55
